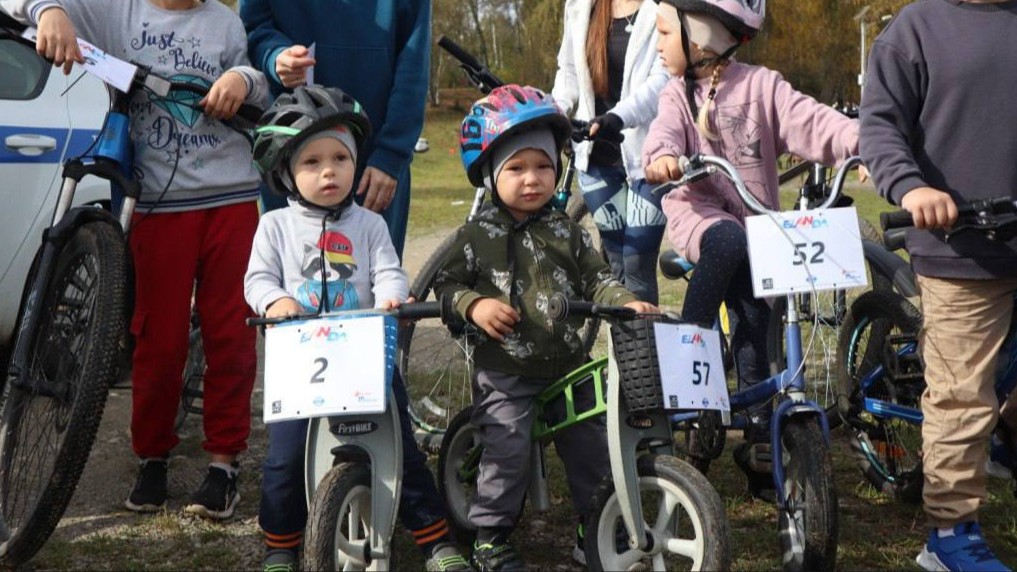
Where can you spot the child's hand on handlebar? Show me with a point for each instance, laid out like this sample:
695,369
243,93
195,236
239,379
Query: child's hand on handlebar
57,39
225,96
643,307
291,65
493,316
863,173
607,127
664,169
283,307
930,208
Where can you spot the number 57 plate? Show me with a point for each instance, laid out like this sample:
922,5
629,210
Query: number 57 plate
801,251
328,366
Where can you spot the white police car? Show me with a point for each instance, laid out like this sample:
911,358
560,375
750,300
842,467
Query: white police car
45,118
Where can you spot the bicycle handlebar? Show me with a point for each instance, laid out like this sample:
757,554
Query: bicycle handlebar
996,218
411,311
700,166
559,308
148,80
479,75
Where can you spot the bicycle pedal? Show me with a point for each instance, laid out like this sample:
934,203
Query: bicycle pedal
760,458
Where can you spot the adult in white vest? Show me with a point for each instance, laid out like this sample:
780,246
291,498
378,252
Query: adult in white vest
610,75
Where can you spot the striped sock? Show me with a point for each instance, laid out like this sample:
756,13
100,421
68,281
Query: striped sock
289,541
429,536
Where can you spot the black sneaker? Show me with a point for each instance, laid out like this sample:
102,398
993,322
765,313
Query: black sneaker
217,496
279,560
149,493
496,555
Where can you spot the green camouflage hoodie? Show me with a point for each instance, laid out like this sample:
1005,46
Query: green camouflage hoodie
523,264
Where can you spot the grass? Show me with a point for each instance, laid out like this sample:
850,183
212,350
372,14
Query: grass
876,532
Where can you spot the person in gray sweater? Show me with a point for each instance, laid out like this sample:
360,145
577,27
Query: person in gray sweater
325,253
937,121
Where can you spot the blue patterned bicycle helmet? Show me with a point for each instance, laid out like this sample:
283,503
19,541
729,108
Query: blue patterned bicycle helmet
506,110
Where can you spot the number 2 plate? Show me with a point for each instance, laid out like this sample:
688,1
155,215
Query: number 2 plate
691,367
327,366
800,251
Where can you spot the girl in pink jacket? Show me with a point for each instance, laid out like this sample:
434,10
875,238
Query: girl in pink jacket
749,115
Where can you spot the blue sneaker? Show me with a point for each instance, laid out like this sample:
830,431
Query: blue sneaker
1001,462
965,550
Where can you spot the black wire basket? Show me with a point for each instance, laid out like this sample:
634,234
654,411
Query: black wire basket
635,351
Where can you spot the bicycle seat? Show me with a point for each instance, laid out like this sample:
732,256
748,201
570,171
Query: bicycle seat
673,265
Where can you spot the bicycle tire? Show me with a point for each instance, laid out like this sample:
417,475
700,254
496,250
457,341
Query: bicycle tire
192,394
681,488
462,445
342,498
888,450
435,362
44,445
807,519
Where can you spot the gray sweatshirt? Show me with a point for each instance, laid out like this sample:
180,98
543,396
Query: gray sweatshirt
361,263
938,110
214,165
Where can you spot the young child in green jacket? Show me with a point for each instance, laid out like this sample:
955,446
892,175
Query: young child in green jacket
505,266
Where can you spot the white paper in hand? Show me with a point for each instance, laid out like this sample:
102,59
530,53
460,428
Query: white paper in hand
109,69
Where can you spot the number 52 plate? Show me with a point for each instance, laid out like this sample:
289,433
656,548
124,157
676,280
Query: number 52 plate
801,251
328,366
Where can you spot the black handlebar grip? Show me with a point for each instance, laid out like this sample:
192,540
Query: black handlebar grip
419,310
896,219
459,53
251,113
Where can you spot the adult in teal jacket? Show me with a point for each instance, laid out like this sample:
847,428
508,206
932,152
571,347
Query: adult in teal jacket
378,52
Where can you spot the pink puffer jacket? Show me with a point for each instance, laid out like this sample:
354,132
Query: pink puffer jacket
758,116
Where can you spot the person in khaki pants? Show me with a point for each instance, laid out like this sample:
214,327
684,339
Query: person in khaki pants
936,131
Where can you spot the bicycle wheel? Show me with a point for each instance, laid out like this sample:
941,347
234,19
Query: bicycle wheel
49,420
458,464
879,345
436,362
192,396
807,521
339,521
683,514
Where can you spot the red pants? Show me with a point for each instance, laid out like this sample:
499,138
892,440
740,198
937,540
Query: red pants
172,251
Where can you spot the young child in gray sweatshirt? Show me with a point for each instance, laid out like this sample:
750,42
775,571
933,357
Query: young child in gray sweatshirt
326,252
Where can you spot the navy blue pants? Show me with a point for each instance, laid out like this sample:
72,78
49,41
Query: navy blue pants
723,275
283,511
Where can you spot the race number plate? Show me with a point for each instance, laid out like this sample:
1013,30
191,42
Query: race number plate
800,251
691,367
328,366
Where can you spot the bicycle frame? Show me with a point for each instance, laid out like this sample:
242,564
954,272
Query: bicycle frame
791,381
1006,377
112,162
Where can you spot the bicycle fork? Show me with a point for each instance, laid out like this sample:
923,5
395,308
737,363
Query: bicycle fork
373,439
625,435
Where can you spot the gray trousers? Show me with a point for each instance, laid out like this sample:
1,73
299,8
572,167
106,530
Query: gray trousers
503,412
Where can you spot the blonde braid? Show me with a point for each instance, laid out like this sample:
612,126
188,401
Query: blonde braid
703,120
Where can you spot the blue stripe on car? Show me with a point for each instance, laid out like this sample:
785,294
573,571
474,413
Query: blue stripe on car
80,141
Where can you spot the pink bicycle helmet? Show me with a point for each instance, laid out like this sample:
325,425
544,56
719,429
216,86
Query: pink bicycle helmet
743,18
506,110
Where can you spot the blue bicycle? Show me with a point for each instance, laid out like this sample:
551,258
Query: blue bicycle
799,429
71,333
880,372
